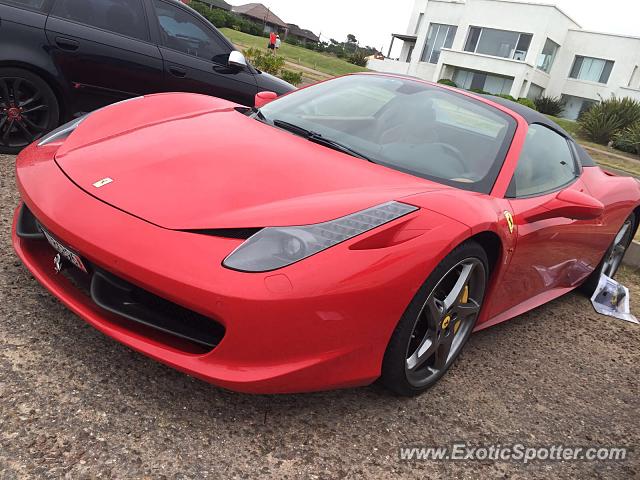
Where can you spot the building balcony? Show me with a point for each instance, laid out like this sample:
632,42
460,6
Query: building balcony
484,63
389,66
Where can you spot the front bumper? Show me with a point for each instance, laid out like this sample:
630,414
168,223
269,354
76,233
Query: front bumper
320,324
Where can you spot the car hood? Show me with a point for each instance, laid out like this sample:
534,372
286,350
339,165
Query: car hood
189,162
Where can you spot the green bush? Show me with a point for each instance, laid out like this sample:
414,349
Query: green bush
506,96
549,105
629,139
605,121
479,91
358,58
273,64
264,61
294,78
446,81
527,103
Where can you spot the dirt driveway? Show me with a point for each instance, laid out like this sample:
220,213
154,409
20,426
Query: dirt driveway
75,403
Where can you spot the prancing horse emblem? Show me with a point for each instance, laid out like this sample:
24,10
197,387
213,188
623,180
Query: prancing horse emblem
57,263
510,222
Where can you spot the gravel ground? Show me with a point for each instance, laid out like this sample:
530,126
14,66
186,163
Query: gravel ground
75,403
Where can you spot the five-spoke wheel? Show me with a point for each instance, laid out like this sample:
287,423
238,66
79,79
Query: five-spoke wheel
438,322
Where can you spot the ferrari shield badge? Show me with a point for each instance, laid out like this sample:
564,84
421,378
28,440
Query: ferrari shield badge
510,222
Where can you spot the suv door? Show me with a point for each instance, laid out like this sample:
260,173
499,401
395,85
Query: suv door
104,51
196,56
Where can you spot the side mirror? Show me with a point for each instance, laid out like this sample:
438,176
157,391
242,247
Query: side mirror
262,98
569,204
237,60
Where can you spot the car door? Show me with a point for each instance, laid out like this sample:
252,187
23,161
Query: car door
552,252
104,51
196,56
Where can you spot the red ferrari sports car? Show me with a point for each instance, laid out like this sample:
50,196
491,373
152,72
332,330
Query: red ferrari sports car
357,229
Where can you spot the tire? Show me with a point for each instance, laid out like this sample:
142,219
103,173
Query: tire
440,313
28,109
618,246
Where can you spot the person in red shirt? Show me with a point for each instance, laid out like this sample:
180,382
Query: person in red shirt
272,42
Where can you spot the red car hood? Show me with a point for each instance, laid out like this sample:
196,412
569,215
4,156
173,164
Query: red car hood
213,167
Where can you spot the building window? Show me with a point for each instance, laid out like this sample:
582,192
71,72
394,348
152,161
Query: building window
591,69
498,43
548,55
438,37
419,24
480,81
535,91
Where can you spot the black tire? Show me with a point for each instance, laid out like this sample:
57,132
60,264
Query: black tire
403,367
28,109
591,283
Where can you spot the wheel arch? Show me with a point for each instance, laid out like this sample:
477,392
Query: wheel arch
492,245
47,77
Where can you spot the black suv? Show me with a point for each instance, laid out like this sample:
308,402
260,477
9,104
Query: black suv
62,58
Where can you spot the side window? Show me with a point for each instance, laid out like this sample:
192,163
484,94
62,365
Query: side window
125,17
546,163
185,33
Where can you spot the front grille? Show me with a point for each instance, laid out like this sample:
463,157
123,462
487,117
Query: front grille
135,306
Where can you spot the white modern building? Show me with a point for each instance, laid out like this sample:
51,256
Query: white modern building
519,48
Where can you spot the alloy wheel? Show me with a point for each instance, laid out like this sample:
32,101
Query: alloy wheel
445,321
618,249
24,112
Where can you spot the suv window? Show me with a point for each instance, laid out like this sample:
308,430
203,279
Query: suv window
546,163
183,32
125,17
30,4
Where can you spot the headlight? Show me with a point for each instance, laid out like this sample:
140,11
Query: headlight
276,247
61,132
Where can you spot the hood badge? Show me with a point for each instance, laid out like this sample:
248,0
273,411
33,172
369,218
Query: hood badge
103,182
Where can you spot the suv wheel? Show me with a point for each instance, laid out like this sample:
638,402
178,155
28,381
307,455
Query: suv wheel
28,109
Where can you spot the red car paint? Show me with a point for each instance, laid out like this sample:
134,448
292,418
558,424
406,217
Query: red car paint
323,322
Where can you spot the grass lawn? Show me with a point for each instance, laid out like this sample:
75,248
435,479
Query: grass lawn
317,61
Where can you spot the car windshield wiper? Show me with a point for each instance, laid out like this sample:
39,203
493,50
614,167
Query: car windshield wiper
319,139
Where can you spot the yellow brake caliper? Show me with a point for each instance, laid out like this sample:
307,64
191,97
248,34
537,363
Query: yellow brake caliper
464,299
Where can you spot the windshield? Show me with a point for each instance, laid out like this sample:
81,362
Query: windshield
404,124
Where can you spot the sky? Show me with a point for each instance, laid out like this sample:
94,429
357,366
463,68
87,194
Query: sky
373,21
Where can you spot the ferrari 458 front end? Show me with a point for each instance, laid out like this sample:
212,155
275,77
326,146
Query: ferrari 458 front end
318,323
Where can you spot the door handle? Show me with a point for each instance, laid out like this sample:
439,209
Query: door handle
67,44
178,72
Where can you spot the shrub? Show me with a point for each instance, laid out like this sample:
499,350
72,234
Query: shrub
527,103
506,96
446,81
603,122
294,78
479,91
272,64
629,139
358,58
553,106
263,61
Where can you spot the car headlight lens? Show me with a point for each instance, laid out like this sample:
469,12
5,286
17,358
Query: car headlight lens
62,132
276,247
